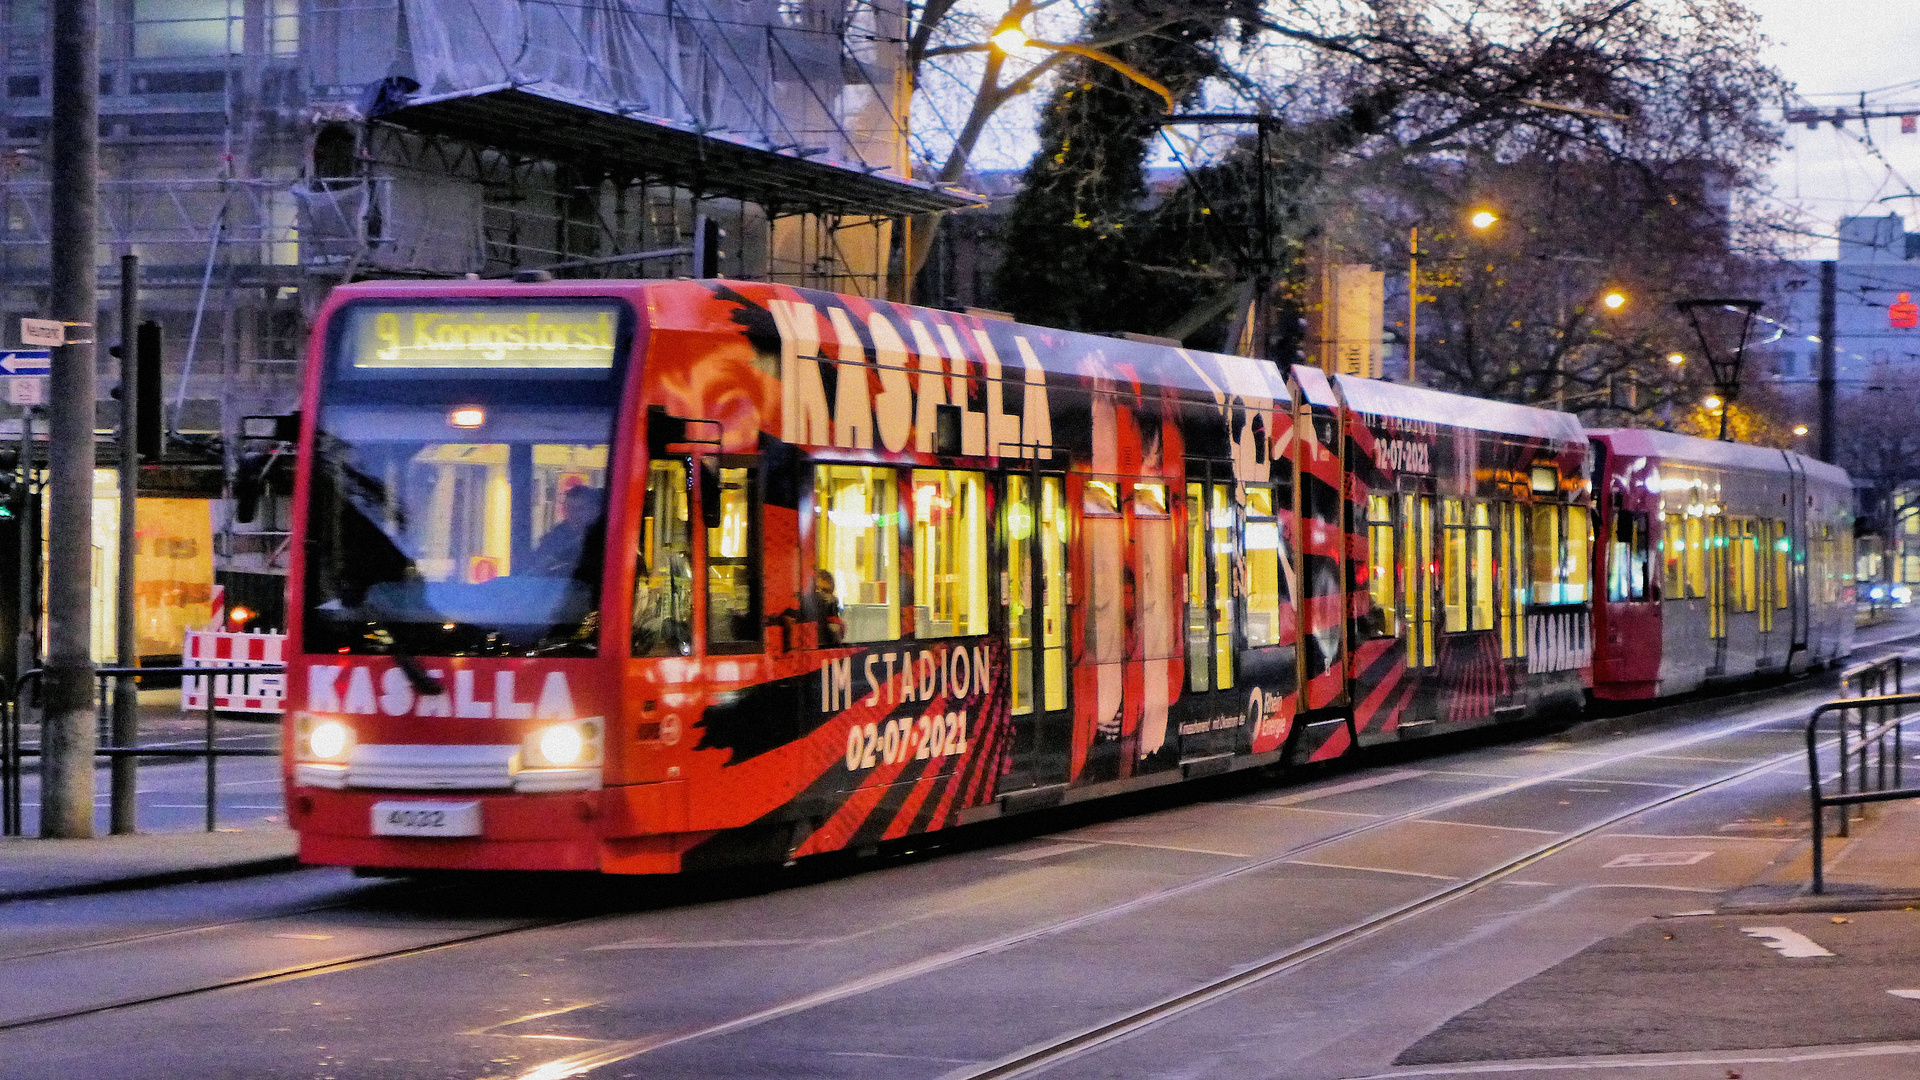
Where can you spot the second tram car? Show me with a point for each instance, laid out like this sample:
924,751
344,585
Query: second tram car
1721,561
644,576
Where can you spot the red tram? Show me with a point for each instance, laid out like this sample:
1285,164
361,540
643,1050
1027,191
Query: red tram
645,576
1721,562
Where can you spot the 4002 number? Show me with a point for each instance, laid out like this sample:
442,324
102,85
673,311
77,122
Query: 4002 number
921,739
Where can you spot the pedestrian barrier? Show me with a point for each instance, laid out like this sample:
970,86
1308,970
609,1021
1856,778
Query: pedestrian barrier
260,691
1866,735
14,750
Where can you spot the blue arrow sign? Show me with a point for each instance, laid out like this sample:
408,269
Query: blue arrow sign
26,362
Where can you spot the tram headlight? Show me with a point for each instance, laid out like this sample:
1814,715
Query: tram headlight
567,745
328,740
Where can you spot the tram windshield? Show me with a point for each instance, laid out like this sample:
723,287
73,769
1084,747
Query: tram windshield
459,477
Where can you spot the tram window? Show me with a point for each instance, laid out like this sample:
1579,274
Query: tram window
1576,587
949,553
1546,554
1382,620
856,544
733,589
1695,556
1103,530
1673,547
1627,557
1782,560
1745,568
1153,556
1453,565
1420,578
1265,588
663,577
1220,520
1199,673
1513,593
1055,532
1017,519
1483,568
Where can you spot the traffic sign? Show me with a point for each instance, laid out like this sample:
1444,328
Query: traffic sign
49,332
26,362
26,389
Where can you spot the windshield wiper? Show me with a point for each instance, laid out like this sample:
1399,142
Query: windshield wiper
423,683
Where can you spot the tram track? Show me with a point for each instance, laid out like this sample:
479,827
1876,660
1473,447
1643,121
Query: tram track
1031,1059
1037,1058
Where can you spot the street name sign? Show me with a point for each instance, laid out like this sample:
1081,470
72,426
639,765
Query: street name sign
50,333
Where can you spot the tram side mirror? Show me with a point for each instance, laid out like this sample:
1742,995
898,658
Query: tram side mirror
946,430
710,493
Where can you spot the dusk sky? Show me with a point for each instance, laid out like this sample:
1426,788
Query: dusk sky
1833,53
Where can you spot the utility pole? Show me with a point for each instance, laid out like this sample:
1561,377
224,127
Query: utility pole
126,699
67,740
1827,376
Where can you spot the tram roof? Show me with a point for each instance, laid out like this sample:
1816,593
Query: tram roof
1457,410
1688,449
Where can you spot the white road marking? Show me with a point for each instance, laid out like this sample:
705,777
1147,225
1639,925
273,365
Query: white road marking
1487,775
1480,825
1784,941
1910,995
1362,784
305,937
1690,836
722,943
1171,847
1047,852
1658,858
1371,869
1630,783
1317,810
1714,760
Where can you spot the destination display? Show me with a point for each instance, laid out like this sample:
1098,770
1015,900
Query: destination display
493,336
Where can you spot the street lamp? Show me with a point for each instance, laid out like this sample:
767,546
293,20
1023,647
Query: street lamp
1012,39
1712,402
1481,220
1676,359
1614,300
1800,430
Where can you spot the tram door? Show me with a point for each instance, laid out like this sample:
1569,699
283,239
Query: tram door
1037,528
1717,582
1798,529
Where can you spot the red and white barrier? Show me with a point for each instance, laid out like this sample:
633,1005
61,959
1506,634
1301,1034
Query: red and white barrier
234,693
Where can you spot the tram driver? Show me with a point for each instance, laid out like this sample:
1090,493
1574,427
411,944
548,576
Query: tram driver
574,538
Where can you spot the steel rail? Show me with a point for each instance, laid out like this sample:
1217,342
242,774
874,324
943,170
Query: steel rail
1027,1060
623,1050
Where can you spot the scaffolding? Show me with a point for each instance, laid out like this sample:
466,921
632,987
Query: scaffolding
255,153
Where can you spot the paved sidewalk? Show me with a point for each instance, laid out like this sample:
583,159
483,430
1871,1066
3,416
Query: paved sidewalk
31,867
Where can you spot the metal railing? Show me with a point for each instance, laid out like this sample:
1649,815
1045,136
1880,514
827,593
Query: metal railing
13,750
1867,734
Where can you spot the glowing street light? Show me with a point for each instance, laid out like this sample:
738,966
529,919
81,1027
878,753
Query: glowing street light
1800,429
1483,219
1012,39
1676,359
1712,401
1614,300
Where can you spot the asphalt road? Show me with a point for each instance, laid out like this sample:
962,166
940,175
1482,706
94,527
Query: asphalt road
1511,905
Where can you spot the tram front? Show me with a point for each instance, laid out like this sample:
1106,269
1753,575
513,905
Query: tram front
448,693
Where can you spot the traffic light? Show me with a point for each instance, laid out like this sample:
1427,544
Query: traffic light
149,428
149,438
707,235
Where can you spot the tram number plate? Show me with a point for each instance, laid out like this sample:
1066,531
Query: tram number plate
420,818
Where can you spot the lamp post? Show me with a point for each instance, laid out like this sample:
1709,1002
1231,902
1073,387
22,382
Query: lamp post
1481,220
1724,362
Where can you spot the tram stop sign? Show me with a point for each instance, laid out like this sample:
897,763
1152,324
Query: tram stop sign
1903,313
